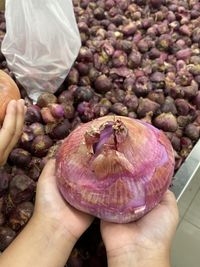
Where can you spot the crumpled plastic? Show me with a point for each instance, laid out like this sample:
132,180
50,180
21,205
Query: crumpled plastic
41,43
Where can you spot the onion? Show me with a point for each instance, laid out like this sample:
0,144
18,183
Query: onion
118,168
8,91
20,157
6,236
166,122
21,188
21,215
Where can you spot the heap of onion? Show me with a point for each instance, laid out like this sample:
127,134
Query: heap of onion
8,91
115,168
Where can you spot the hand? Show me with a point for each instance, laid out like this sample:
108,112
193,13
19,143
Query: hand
145,241
12,128
51,207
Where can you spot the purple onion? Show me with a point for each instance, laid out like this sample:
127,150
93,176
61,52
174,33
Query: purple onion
164,42
192,131
41,145
167,122
157,77
73,76
143,45
35,168
57,110
47,115
119,109
184,54
119,59
21,215
61,130
66,96
20,157
182,106
186,142
196,100
68,110
183,121
142,86
146,106
129,29
131,102
21,188
157,96
83,93
85,54
184,29
83,68
6,236
37,129
134,59
33,114
124,45
129,83
169,106
102,84
45,99
190,91
4,181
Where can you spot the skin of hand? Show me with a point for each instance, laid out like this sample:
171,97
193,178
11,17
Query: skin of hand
51,233
51,207
145,242
12,128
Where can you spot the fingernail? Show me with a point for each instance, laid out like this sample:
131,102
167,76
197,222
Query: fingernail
21,101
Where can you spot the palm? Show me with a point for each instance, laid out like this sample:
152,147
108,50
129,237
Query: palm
153,229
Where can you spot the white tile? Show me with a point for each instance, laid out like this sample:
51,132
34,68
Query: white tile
193,213
189,194
185,249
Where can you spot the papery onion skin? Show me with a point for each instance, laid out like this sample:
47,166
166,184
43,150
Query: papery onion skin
8,91
117,186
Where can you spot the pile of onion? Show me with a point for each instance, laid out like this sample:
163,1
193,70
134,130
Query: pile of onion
8,91
115,168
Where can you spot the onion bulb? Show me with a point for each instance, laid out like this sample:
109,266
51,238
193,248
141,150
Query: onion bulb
8,91
115,168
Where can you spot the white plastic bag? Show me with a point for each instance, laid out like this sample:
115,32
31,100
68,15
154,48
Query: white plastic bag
41,43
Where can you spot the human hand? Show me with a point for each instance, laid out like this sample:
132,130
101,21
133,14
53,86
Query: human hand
145,242
52,208
12,128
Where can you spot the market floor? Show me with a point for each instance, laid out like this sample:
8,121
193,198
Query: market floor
185,250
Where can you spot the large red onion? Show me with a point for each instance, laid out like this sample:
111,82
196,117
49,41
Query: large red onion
115,168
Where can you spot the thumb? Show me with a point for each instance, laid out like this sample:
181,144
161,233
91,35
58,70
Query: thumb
48,173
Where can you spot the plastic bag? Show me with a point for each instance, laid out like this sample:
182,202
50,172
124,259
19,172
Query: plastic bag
41,43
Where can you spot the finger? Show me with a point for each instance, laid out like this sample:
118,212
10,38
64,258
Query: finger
18,127
9,125
168,199
48,172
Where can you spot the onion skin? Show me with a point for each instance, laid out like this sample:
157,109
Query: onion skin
110,188
8,91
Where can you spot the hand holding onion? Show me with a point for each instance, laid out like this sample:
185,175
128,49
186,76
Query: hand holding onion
52,209
12,111
11,129
146,242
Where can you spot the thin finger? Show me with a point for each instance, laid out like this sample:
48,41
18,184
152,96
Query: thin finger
19,125
9,125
